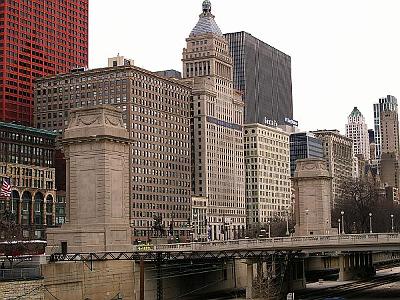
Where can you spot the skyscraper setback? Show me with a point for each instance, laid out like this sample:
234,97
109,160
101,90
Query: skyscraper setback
216,128
39,38
263,74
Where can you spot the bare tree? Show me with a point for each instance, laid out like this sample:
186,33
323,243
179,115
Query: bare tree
266,285
358,199
278,226
10,236
269,283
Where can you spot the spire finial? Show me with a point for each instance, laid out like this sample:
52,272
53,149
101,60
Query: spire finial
206,6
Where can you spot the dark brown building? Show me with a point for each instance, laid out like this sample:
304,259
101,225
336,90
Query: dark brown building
156,114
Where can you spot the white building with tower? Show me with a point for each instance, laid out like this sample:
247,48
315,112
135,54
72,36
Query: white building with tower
357,130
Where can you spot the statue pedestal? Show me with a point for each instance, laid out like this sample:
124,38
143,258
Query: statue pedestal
313,191
96,147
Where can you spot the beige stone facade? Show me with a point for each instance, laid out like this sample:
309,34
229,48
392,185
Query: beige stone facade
338,152
24,290
104,281
217,128
390,132
156,114
268,184
200,229
390,169
390,159
96,146
313,190
119,61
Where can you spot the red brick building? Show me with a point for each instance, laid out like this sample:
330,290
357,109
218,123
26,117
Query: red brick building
38,38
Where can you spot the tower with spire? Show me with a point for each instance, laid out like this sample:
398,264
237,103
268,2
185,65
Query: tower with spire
357,130
216,129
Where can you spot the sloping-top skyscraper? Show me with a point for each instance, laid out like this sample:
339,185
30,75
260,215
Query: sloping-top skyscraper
357,130
263,74
39,38
385,105
216,128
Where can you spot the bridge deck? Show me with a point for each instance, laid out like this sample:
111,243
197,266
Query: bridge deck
247,248
352,242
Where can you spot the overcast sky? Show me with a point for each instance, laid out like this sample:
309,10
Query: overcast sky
345,53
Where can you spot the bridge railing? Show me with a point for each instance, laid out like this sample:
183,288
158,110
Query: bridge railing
286,242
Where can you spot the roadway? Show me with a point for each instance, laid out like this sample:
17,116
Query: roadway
305,244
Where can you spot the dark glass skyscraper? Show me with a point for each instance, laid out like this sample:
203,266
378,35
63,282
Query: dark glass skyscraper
304,145
263,74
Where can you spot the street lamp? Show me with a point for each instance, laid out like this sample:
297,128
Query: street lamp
342,213
339,226
269,228
370,222
327,227
287,223
195,224
307,220
392,216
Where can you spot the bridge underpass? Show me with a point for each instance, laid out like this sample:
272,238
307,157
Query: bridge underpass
250,264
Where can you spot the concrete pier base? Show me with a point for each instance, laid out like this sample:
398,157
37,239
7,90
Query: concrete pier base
355,266
249,286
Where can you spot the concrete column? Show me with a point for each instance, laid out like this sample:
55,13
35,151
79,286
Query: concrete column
347,262
44,213
366,259
265,267
19,211
273,266
344,272
352,261
370,260
53,213
296,282
260,269
362,262
67,192
32,211
357,260
249,287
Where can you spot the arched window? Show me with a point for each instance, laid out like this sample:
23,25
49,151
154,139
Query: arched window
26,208
49,210
14,205
38,208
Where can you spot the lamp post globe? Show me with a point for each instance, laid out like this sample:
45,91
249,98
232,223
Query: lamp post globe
392,216
370,222
342,213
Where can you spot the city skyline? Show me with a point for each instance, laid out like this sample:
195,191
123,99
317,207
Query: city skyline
342,64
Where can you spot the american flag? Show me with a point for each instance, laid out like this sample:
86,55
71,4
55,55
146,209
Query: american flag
5,188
